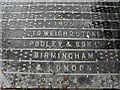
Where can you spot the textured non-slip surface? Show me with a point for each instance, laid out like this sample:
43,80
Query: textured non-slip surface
60,44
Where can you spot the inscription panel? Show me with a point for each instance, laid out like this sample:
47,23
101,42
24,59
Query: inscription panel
61,44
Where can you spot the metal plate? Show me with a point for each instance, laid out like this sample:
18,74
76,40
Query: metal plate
60,44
